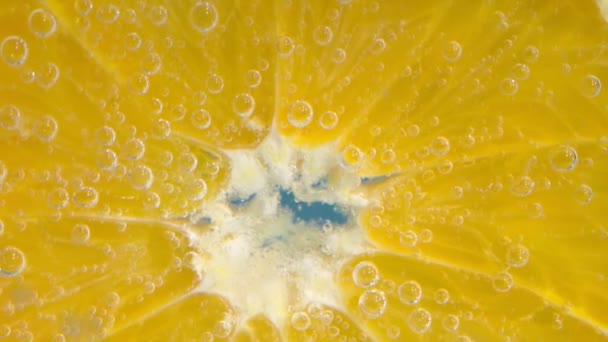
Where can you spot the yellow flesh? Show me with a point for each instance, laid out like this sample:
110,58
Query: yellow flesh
486,117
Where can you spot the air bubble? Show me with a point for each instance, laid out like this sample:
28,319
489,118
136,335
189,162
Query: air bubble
253,78
158,15
107,160
134,149
408,239
151,200
141,177
338,56
584,194
523,187
378,45
413,130
300,321
47,76
151,63
419,321
518,255
520,71
300,114
350,157
450,322
388,156
12,261
409,292
372,303
441,296
80,233
204,17
440,146
215,84
243,105
328,120
375,221
425,236
105,136
590,86
502,282
285,46
365,274
10,117
107,13
139,83
187,162
132,41
452,51
323,35
530,54
86,197
393,332
112,300
161,128
42,23
83,7
46,128
5,330
13,51
508,87
201,119
197,190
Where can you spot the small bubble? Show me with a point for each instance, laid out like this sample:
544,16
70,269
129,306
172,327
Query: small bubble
508,87
222,329
105,136
12,261
5,330
285,46
243,105
300,114
300,321
197,190
502,282
378,46
215,84
139,83
393,332
107,160
441,296
590,86
161,128
530,54
365,274
112,299
253,78
563,158
13,51
47,76
151,200
141,177
81,233
583,194
413,130
178,112
328,120
425,236
42,23
83,7
350,157
408,239
375,221
10,116
338,56
158,15
203,17
452,51
201,119
151,63
132,41
323,35
440,146
46,128
419,321
409,292
450,322
523,187
372,303
518,255
107,13
520,71
86,197
187,162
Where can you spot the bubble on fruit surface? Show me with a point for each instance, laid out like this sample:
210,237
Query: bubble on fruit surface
151,63
187,162
285,46
14,51
440,146
338,56
158,15
141,177
419,321
134,149
563,158
408,239
441,296
87,197
520,71
508,87
107,159
12,261
243,105
107,13
522,186
112,300
328,120
58,198
323,35
10,117
590,86
48,75
3,172
409,292
502,282
372,303
80,233
139,83
203,16
215,84
132,41
197,190
253,78
518,255
201,119
350,158
452,51
365,274
583,194
300,114
300,321
450,322
151,200
83,7
161,128
42,23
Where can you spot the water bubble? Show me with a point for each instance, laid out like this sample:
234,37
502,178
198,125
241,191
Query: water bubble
253,78
141,177
502,282
563,158
5,330
413,130
222,329
112,299
105,136
452,51
151,200
132,41
508,87
58,198
393,332
134,149
372,303
151,63
520,71
338,56
243,105
328,120
107,159
46,128
450,322
441,296
203,16
197,189
86,197
409,292
187,162
365,274
522,187
300,114
42,23
13,51
378,45
590,86
83,7
81,233
139,83
285,46
530,54
300,321
107,13
47,76
12,261
440,146
201,119
375,221
408,239
583,194
10,116
323,35
419,321
518,255
158,15
350,157
161,128
215,84
425,236
178,112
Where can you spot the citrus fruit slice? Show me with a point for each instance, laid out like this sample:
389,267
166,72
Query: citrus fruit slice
345,170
